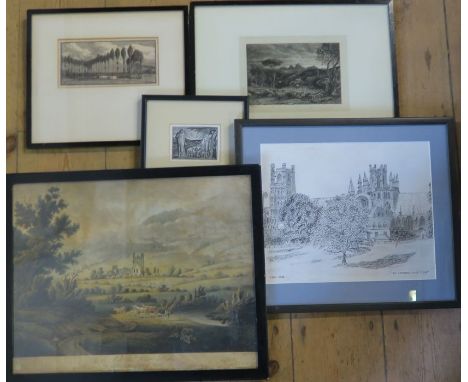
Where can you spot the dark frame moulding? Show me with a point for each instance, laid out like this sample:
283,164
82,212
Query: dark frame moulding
455,194
261,372
391,20
32,12
146,98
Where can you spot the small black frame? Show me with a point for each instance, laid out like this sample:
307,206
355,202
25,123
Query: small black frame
32,12
149,98
455,212
389,3
253,171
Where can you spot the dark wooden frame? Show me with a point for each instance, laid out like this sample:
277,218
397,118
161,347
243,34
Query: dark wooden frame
253,171
149,98
455,207
389,3
32,12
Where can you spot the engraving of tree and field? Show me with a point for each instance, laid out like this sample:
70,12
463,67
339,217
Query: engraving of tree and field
294,73
132,267
108,62
348,217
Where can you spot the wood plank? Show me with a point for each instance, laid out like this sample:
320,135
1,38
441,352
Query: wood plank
82,3
58,160
338,347
12,38
453,24
422,58
423,345
144,3
279,347
122,157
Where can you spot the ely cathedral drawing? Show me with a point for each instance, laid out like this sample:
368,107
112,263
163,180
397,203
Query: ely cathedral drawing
392,215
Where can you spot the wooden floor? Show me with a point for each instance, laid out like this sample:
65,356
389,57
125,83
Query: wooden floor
365,346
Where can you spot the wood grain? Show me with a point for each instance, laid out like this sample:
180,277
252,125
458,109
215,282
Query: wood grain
82,3
424,86
126,3
422,61
12,86
453,23
279,348
391,346
423,345
122,158
58,159
338,347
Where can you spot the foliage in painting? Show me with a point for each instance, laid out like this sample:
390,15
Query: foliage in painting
153,297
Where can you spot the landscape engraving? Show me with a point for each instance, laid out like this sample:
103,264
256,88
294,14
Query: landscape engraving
200,142
94,62
142,270
376,226
294,73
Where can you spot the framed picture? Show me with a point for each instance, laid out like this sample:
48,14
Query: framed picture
145,275
359,213
303,59
89,72
189,130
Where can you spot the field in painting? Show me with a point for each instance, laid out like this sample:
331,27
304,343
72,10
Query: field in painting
179,279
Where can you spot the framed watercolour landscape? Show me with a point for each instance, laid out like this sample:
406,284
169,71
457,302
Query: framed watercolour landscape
136,274
358,213
82,63
182,131
312,61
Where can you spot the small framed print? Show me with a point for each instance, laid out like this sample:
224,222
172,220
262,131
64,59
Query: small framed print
89,73
311,62
180,131
359,213
195,142
149,275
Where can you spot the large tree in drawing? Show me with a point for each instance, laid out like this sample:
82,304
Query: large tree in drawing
300,215
343,225
272,64
329,55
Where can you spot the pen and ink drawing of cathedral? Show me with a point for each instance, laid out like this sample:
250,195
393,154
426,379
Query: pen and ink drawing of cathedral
349,214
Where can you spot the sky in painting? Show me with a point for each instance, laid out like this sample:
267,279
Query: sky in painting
113,214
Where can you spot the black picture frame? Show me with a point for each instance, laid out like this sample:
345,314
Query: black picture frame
37,12
253,171
389,3
452,188
149,98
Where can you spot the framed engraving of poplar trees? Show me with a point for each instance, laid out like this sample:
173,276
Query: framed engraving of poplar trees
87,70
